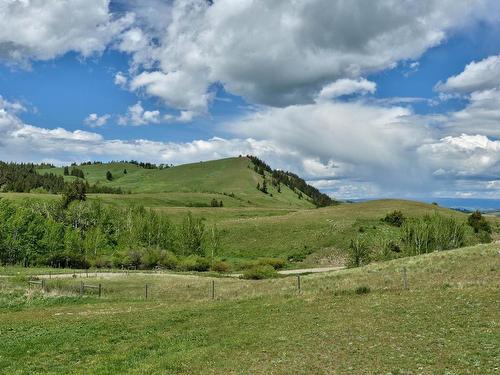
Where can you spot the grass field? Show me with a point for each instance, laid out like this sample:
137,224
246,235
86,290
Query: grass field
316,236
446,323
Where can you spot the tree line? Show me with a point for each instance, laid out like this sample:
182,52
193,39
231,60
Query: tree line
291,180
88,234
24,178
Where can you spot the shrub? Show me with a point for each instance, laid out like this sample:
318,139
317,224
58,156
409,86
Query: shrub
478,222
358,254
430,233
276,263
193,263
150,258
395,218
259,272
220,266
168,260
190,237
362,289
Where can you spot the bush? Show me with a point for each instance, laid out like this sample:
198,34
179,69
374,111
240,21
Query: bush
168,260
276,263
478,222
358,254
259,272
431,233
362,289
395,218
193,263
220,266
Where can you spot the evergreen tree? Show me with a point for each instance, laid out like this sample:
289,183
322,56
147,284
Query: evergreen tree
264,187
125,171
66,171
109,176
75,191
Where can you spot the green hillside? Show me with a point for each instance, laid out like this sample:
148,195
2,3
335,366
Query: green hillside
233,180
445,323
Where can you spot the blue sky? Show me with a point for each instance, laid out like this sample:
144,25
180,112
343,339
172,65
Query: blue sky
345,95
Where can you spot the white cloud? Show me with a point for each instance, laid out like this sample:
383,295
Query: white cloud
477,76
136,116
280,52
45,29
348,149
346,86
121,80
95,121
463,156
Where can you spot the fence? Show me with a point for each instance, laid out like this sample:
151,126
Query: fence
190,288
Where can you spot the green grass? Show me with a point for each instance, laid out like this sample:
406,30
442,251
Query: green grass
446,323
232,175
317,236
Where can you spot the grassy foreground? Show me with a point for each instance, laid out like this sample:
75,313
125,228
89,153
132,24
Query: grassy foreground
446,323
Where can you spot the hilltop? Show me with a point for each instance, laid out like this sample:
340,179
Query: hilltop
232,180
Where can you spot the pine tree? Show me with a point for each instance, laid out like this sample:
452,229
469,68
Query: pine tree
109,176
66,171
125,171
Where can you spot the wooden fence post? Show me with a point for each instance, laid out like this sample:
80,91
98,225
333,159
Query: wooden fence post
100,290
405,279
298,283
146,291
43,285
81,288
213,289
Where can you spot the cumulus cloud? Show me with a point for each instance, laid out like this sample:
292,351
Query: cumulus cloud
354,149
280,52
477,76
44,29
346,86
121,80
463,156
95,121
136,116
480,82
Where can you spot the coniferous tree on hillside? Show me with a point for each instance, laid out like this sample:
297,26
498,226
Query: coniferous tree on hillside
74,191
109,176
294,182
66,171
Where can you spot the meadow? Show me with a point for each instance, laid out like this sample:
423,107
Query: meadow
354,321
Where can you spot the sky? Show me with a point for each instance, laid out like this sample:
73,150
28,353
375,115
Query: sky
364,99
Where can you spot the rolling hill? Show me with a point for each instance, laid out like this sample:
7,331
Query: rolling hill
232,180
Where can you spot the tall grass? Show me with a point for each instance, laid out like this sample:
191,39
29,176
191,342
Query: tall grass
432,232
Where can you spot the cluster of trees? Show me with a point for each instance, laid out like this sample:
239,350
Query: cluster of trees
148,165
22,178
73,172
419,235
216,203
291,180
91,234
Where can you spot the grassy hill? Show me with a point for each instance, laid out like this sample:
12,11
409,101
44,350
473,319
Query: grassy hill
233,180
446,323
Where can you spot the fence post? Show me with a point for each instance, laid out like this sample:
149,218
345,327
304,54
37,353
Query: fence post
43,285
50,274
298,283
100,290
146,291
213,289
81,288
405,279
